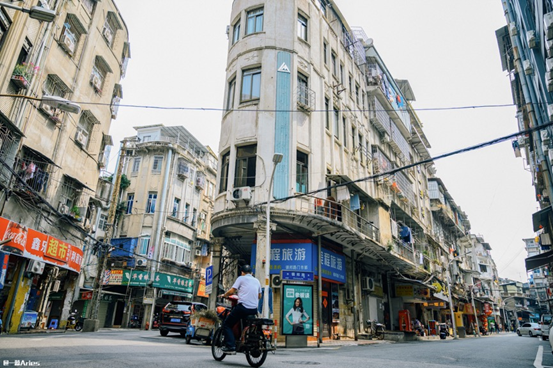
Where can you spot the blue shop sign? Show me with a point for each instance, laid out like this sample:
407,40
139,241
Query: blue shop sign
300,257
298,276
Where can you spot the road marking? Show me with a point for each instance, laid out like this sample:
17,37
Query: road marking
539,357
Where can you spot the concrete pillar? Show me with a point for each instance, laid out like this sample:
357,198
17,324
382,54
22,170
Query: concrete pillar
216,254
260,261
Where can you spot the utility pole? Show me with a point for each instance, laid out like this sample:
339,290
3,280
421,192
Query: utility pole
104,249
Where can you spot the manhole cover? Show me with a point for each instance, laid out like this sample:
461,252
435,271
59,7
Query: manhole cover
303,363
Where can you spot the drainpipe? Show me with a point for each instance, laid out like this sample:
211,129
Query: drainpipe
158,235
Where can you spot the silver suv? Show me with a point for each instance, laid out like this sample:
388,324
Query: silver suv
545,322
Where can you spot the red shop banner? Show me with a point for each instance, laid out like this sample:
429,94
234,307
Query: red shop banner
29,243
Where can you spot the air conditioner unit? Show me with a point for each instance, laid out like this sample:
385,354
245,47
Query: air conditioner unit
202,216
108,35
96,82
544,134
68,43
47,109
198,252
63,208
531,38
241,194
367,283
141,262
182,170
548,22
80,138
35,267
56,286
513,29
527,66
276,281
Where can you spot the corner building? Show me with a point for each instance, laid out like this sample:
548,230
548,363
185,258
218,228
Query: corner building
301,82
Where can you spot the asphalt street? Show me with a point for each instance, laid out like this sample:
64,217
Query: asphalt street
126,348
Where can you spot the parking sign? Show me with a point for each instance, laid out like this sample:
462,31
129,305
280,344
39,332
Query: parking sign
208,279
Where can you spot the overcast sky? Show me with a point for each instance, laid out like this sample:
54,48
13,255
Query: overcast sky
447,50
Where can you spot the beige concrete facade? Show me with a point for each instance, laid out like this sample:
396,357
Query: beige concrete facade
51,159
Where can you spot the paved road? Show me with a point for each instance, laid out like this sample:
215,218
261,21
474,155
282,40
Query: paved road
131,348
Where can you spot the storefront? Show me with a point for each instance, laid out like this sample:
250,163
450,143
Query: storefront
39,273
300,257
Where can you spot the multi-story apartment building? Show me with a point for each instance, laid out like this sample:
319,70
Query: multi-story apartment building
163,230
518,305
310,94
539,285
526,48
50,160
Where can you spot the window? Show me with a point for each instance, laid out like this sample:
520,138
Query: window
357,94
345,130
251,84
483,268
89,5
327,113
71,34
151,204
186,212
303,89
352,137
334,65
130,203
244,175
322,6
156,167
336,123
360,148
84,129
194,215
97,79
136,165
341,73
325,52
176,250
236,32
350,84
102,224
144,245
302,27
302,172
176,207
254,21
230,96
111,26
224,173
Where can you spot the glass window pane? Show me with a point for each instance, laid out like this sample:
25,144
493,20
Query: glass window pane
256,85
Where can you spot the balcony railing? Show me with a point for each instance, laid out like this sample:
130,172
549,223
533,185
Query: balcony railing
337,212
306,98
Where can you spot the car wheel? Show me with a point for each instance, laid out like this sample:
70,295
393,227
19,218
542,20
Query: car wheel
530,334
518,333
163,332
188,339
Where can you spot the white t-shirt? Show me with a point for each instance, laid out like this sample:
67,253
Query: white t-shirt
249,289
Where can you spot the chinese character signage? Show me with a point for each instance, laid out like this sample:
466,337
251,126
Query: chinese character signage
298,276
33,244
113,277
135,278
297,307
172,282
302,257
404,290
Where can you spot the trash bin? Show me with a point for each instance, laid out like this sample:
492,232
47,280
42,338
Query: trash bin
462,332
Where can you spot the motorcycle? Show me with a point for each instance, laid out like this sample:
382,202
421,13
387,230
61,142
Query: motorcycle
73,322
155,323
253,337
374,329
135,321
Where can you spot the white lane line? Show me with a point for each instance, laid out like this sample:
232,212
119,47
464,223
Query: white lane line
539,357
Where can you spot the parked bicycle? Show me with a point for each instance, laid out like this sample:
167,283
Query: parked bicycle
253,337
374,329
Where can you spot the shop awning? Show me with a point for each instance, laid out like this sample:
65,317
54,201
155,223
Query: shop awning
540,218
539,260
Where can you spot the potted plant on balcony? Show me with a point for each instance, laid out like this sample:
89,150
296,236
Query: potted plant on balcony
76,213
23,74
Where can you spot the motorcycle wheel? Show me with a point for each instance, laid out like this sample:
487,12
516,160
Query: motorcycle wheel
78,327
217,345
257,357
380,334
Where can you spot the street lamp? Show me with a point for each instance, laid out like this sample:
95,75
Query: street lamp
54,101
277,158
36,12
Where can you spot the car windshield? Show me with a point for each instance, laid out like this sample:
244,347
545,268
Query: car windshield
547,319
179,307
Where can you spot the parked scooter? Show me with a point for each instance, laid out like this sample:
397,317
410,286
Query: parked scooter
155,323
444,331
135,321
74,322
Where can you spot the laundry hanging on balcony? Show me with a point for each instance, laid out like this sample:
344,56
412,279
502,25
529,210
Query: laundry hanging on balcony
354,203
406,235
342,194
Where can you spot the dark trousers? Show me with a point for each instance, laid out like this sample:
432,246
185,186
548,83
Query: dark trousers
235,315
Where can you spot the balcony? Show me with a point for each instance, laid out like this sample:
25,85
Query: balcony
23,74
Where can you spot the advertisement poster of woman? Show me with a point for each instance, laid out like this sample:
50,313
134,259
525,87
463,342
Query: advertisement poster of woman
298,305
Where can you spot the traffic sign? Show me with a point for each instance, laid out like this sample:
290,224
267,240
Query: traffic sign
208,279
